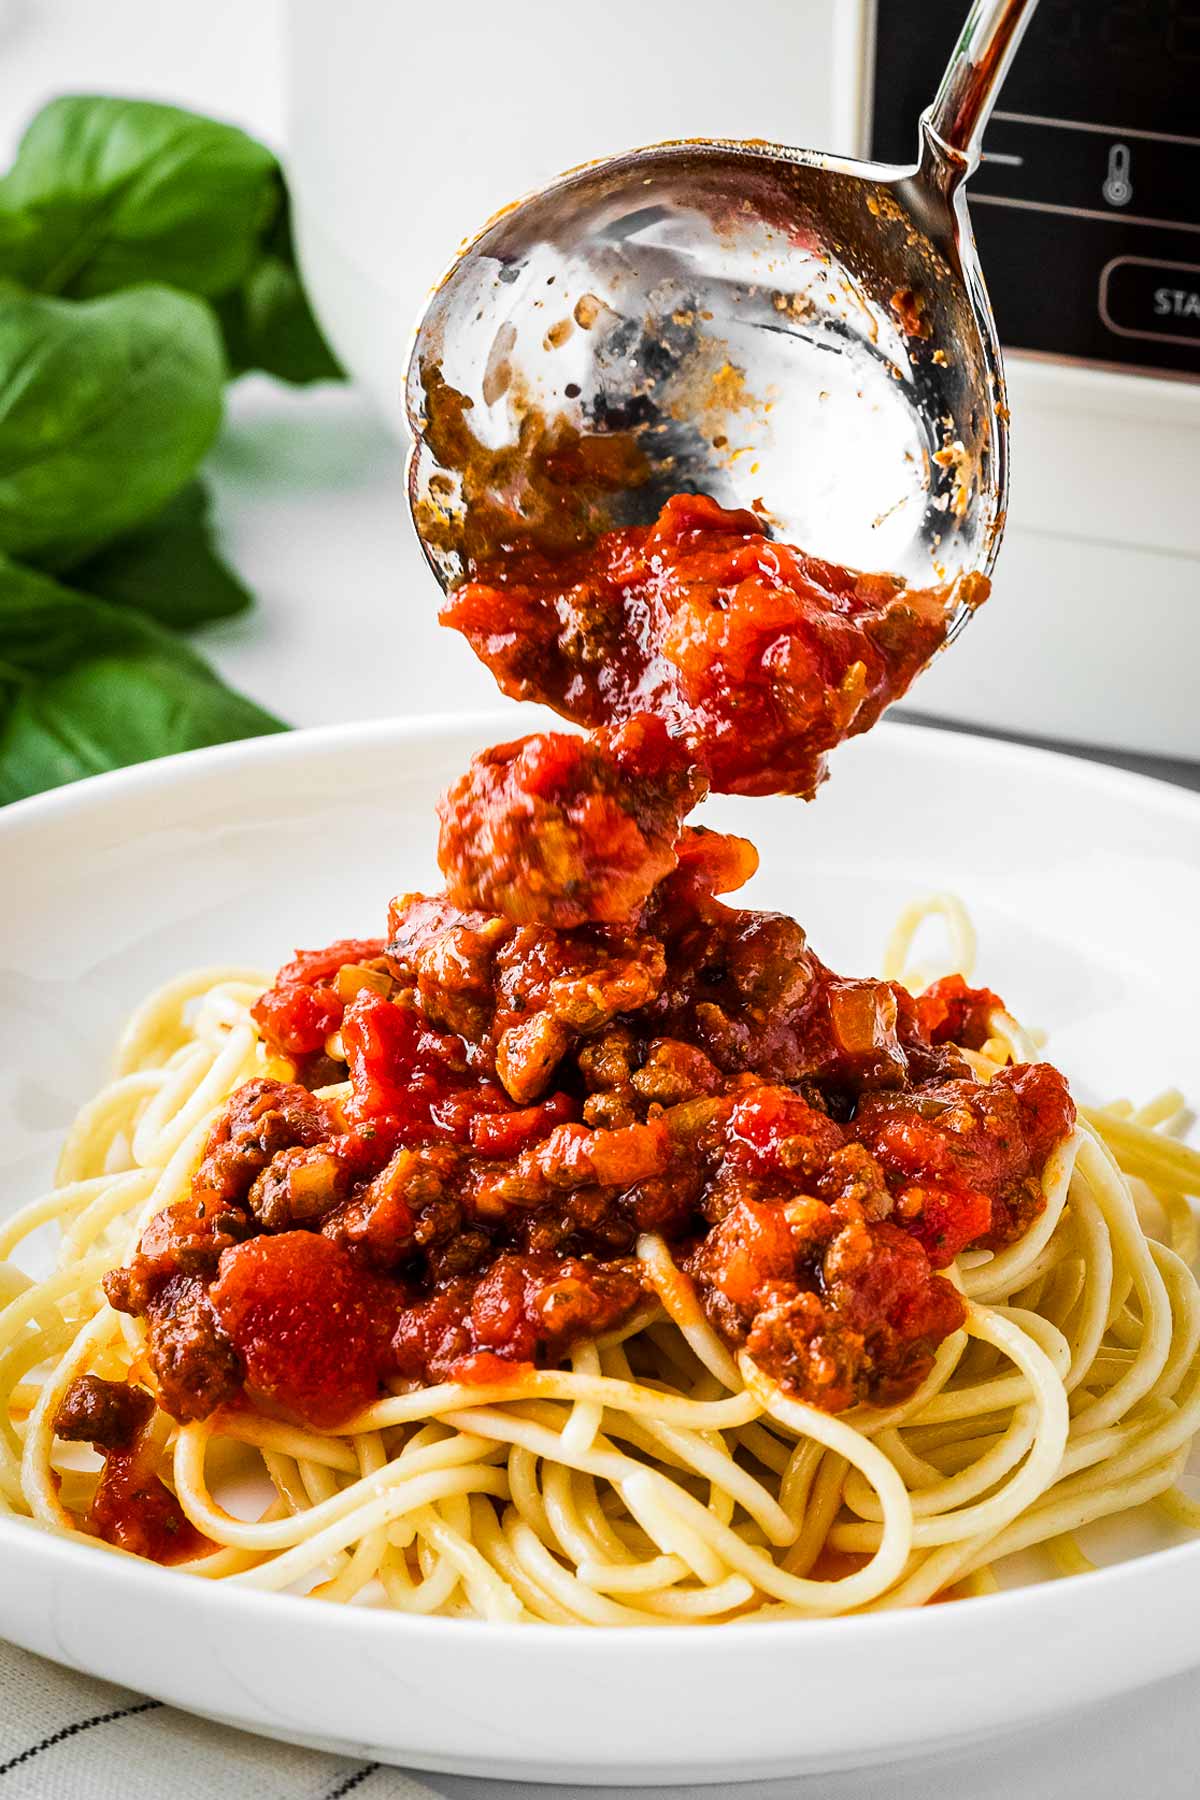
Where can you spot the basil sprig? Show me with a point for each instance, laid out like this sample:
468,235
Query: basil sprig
145,260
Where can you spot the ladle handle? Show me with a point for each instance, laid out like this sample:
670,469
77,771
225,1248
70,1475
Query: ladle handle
952,126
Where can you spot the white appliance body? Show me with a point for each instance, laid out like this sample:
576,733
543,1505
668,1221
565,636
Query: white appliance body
409,126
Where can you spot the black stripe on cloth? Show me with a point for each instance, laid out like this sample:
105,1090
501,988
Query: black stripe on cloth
70,1731
350,1783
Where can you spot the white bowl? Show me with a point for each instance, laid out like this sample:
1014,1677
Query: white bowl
1085,885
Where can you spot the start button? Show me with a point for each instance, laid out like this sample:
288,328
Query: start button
1141,297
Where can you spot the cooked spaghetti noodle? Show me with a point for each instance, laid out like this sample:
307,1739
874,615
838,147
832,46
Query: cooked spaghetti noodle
660,1477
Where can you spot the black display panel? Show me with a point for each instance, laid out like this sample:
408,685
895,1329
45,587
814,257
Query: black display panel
1087,204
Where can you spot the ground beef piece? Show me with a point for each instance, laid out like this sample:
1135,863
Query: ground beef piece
562,830
606,1064
458,1252
105,1414
736,982
262,1118
528,1053
555,987
673,1072
299,1185
269,1160
584,979
447,953
571,1157
853,1183
184,1239
526,1309
814,1355
880,1283
863,1326
409,1205
194,1362
745,986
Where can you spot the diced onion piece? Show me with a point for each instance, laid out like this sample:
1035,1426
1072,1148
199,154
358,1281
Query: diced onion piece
352,978
862,1017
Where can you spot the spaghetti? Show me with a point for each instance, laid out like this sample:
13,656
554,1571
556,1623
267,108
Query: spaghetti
660,1475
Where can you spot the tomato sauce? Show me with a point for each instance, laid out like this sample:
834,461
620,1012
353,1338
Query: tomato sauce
953,1013
562,829
760,658
131,1507
137,1512
312,1330
304,1006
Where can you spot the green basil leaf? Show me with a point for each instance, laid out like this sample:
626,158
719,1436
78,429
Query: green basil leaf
106,408
46,627
267,321
85,686
168,568
269,325
114,710
107,192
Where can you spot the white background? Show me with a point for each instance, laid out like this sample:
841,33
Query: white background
311,512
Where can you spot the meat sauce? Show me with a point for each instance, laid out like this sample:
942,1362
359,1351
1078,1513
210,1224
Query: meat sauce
131,1508
757,656
525,1100
579,1042
564,829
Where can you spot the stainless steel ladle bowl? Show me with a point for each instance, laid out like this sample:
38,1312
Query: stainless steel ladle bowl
802,334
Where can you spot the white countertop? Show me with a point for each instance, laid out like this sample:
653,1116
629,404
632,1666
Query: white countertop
311,512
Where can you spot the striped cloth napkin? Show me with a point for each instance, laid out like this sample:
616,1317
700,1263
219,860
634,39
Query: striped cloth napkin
64,1736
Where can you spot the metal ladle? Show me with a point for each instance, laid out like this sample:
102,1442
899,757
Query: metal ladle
803,334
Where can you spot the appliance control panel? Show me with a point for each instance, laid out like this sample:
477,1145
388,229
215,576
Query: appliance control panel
1086,206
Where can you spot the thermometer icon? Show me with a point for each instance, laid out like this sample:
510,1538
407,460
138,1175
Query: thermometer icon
1118,189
